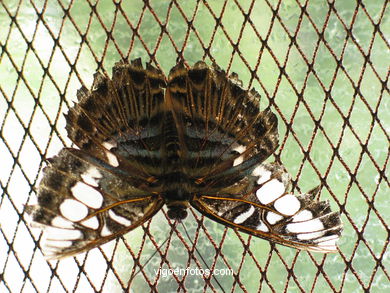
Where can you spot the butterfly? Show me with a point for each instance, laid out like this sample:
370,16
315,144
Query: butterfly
195,138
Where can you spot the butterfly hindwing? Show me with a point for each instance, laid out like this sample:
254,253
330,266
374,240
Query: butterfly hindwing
264,207
121,115
220,124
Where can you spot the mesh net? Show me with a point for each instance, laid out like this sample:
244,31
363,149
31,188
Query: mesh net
323,66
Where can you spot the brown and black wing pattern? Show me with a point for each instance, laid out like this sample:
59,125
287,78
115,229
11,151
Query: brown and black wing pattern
222,131
96,193
84,202
225,139
120,119
261,205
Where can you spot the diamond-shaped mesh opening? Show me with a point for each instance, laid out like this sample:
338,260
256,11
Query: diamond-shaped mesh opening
323,66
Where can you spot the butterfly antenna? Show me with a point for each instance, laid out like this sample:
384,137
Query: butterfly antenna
200,255
135,273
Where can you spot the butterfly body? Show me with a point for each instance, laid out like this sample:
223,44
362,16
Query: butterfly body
195,138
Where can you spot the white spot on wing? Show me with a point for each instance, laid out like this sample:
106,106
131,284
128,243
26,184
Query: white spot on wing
91,223
262,227
240,149
60,222
264,174
272,218
327,238
244,216
303,216
331,246
73,210
110,144
87,195
51,233
312,235
50,244
105,231
288,204
91,175
328,242
270,191
112,159
238,161
313,225
119,219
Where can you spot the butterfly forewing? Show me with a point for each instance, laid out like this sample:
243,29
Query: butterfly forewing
82,204
265,208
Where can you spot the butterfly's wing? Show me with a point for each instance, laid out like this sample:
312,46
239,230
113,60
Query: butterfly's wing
84,202
91,195
261,205
222,132
119,120
225,139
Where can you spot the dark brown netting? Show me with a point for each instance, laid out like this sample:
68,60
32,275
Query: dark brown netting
323,66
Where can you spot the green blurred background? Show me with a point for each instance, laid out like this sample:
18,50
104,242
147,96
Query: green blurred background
322,67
